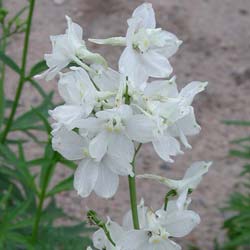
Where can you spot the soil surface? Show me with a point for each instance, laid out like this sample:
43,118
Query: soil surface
216,49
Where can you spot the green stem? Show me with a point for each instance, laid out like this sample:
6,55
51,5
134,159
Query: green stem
171,193
93,218
42,197
2,96
22,73
131,180
132,193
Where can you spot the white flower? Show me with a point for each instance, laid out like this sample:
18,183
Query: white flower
191,179
166,114
80,96
152,235
110,133
177,219
101,241
157,227
147,47
91,175
67,48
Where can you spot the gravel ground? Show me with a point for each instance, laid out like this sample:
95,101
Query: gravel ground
216,48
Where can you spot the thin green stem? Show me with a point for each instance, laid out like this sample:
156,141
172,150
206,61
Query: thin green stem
131,180
171,193
22,73
133,195
2,68
42,197
94,218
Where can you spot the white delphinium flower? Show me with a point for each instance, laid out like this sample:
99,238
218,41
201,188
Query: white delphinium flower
165,115
80,96
67,48
190,181
147,47
109,129
156,228
91,175
177,218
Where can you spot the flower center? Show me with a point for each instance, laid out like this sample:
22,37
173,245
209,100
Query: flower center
114,124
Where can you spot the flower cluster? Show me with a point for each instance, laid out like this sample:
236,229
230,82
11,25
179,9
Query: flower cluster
109,114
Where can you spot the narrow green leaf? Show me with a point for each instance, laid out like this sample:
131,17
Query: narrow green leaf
237,122
36,162
241,154
18,14
8,61
48,167
63,185
30,119
38,68
37,86
241,140
67,163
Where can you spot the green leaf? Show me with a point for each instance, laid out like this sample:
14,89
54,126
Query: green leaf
241,140
241,154
64,185
237,122
38,68
30,119
8,61
67,163
37,86
17,15
48,167
246,170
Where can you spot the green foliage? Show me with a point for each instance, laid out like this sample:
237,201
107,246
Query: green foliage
238,225
28,211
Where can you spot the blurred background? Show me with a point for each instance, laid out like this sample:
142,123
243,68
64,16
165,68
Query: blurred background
216,48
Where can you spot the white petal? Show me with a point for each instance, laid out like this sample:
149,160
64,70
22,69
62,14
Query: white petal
194,174
75,86
115,230
115,41
107,182
140,128
197,169
167,146
74,29
134,240
181,223
127,221
68,114
122,147
69,144
130,66
118,165
106,79
188,124
146,13
85,177
171,44
170,245
99,239
155,64
193,88
90,124
164,88
98,146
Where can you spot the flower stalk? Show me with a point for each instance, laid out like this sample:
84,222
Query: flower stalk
22,77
